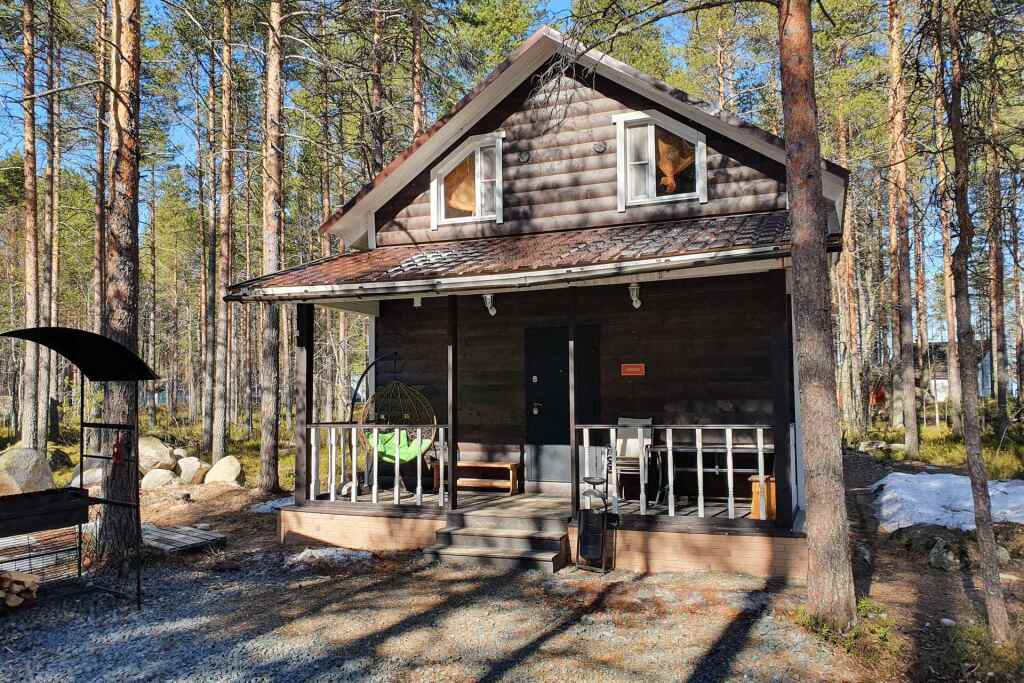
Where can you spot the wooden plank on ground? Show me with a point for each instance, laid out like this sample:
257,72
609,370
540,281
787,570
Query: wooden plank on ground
180,539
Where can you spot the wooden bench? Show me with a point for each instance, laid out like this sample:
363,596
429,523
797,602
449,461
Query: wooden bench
467,468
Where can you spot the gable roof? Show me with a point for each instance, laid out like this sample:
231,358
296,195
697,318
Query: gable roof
354,218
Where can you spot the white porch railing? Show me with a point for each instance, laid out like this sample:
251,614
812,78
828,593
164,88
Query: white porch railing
696,441
346,443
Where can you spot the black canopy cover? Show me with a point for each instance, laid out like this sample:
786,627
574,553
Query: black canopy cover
100,358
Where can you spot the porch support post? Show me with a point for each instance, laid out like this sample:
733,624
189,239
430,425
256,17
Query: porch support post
303,399
574,457
782,393
453,402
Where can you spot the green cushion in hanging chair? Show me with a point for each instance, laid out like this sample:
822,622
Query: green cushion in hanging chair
408,449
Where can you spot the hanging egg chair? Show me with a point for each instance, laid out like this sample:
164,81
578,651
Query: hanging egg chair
399,404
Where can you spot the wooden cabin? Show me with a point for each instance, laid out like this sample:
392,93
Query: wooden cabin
587,278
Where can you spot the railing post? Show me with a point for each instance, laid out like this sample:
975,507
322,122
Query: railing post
699,437
453,402
615,468
419,466
760,473
314,463
671,474
398,452
440,463
332,460
586,459
376,462
574,462
728,470
643,470
355,474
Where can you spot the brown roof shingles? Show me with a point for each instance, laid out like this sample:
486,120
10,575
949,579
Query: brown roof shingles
533,252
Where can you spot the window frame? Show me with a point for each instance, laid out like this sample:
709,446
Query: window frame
474,145
651,119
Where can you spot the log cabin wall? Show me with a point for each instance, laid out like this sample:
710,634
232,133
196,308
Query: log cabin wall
715,350
556,177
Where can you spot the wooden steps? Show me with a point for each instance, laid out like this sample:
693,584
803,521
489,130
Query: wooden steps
504,541
180,539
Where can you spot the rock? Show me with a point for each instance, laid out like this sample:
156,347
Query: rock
179,453
947,622
155,455
328,560
157,478
192,470
1002,554
920,538
8,487
896,446
941,556
59,459
871,446
202,526
92,477
27,468
227,470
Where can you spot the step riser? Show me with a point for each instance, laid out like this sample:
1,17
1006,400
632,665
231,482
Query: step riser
508,563
516,523
463,540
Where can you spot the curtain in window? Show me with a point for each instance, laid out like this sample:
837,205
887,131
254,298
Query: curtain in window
460,189
674,158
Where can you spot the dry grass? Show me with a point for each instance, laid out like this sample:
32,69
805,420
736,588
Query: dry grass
939,447
874,641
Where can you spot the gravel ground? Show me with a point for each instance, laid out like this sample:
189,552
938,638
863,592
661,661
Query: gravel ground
240,615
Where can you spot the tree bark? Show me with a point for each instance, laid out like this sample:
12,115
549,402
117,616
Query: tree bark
945,220
996,270
30,372
898,226
273,216
210,350
46,243
220,407
377,135
829,578
995,606
119,525
418,113
52,414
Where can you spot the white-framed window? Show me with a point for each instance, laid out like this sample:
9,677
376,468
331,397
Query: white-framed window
659,160
466,186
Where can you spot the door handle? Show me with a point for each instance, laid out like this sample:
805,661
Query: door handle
535,407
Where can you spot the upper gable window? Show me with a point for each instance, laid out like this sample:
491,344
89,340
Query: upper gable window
466,185
659,160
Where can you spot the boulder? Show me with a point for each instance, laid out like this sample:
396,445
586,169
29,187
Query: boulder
156,478
59,459
27,468
8,487
871,446
179,453
91,477
192,470
941,556
227,470
1002,554
155,455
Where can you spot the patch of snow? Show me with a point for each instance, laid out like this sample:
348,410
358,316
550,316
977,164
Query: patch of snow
273,505
327,559
942,499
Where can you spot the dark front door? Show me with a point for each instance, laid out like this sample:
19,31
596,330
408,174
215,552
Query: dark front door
547,397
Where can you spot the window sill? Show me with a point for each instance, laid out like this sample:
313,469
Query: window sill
663,200
468,219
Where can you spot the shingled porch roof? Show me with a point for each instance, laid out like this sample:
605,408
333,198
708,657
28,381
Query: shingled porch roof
494,262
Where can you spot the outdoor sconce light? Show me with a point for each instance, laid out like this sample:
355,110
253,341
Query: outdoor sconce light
417,301
489,304
634,295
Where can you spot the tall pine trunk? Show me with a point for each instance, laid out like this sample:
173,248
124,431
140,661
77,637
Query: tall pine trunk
899,226
996,268
995,606
46,243
210,264
30,372
220,407
273,215
418,112
829,577
119,525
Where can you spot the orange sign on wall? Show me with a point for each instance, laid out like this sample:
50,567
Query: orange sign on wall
633,369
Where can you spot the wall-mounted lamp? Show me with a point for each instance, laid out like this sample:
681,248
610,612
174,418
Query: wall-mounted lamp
634,295
489,304
417,301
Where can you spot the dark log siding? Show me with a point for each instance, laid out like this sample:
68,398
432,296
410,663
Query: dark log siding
710,346
565,183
